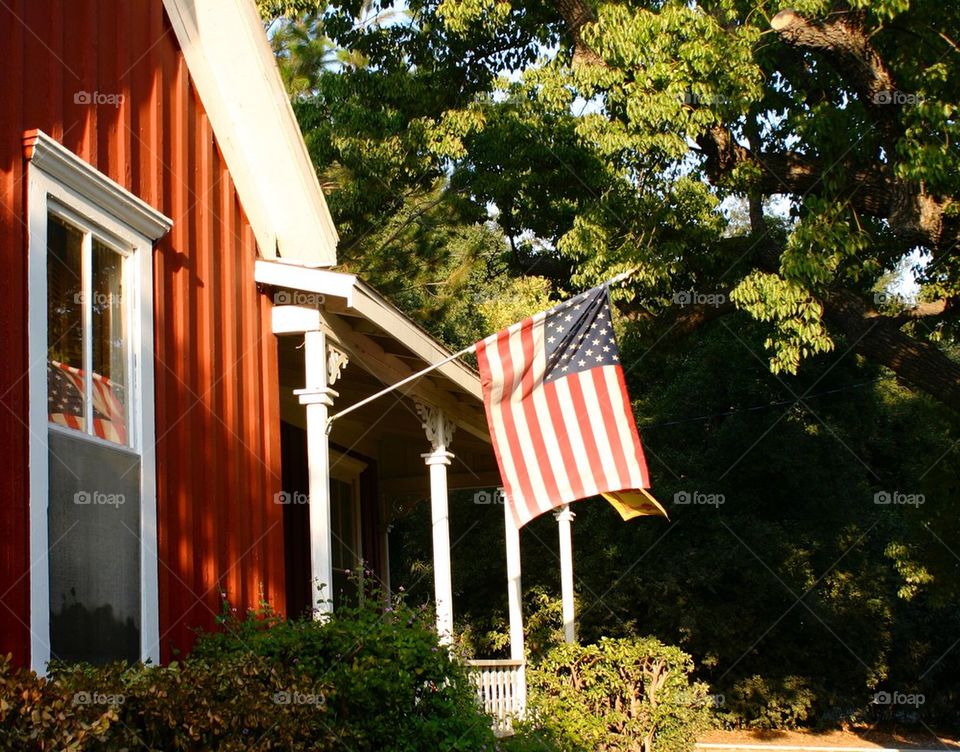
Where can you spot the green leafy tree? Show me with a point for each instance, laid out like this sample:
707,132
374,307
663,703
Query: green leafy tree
625,125
771,174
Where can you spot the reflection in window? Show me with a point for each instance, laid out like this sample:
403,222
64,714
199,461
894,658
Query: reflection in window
87,337
110,341
66,394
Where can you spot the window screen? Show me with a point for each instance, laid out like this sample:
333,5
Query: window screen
94,545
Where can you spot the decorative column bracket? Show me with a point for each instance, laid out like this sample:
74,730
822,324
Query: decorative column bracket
337,360
438,426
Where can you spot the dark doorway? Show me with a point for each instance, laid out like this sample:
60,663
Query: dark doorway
355,520
296,518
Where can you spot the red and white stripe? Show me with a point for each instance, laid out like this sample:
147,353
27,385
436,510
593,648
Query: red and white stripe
556,441
105,402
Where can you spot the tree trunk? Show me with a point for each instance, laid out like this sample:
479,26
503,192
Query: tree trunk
920,364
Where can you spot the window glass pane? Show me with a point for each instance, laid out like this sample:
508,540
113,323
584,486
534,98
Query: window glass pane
343,528
94,550
65,389
343,525
110,342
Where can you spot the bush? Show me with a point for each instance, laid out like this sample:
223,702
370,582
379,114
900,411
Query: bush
618,694
232,704
370,678
765,703
396,687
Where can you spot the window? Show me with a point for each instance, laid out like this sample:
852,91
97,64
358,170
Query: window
345,526
345,539
92,504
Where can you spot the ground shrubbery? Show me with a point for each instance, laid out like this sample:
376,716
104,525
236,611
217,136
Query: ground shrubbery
372,677
369,679
625,695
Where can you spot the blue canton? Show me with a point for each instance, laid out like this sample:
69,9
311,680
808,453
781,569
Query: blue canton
578,335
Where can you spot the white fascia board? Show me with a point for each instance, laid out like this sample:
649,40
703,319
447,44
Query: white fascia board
305,279
233,69
372,306
293,319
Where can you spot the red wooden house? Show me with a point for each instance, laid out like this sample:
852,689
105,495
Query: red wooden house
167,285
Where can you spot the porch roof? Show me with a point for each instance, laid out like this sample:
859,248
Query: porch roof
383,346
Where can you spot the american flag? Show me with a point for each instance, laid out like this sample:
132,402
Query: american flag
65,395
557,407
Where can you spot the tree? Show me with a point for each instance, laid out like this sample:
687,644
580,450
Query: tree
849,110
766,186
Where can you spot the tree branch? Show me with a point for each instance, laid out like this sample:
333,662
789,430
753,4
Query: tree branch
576,14
843,43
878,338
916,218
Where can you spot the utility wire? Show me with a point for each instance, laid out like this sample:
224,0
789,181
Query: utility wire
766,406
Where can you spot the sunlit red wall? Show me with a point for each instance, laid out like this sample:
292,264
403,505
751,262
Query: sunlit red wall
218,452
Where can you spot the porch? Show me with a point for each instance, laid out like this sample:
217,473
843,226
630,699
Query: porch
346,481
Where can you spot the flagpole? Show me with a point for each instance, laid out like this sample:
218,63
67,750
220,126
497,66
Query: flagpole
402,382
428,369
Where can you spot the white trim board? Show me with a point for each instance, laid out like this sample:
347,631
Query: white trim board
234,72
100,202
69,171
369,304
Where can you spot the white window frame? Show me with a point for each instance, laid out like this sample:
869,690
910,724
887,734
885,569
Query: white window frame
61,183
347,469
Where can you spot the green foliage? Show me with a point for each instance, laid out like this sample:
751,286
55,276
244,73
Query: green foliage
464,146
795,312
521,298
785,702
234,703
396,688
372,677
619,694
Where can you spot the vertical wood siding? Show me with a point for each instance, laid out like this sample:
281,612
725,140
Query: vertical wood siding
218,452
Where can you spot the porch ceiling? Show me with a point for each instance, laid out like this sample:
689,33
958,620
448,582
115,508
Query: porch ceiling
389,429
384,347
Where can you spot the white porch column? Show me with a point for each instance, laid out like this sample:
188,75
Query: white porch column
564,518
439,430
322,369
515,602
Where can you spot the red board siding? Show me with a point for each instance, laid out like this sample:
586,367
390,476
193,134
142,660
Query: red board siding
218,451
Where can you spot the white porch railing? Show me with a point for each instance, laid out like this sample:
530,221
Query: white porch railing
502,688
